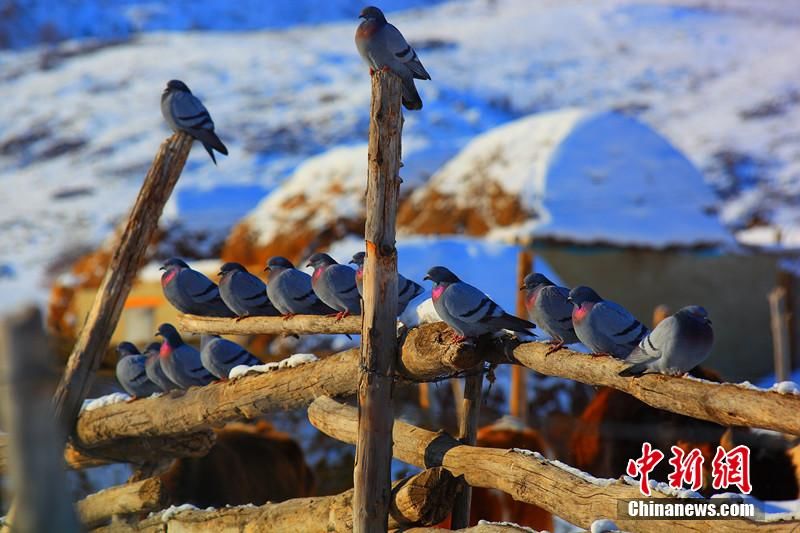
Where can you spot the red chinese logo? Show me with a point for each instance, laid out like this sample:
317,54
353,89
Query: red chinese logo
732,468
644,465
728,468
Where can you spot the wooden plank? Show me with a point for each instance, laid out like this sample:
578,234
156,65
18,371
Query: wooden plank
779,320
130,498
518,395
378,331
269,325
129,253
467,434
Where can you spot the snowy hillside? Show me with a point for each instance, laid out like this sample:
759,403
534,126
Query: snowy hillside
80,125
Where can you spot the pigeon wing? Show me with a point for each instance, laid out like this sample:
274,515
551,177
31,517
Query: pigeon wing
616,323
403,52
250,289
470,305
197,286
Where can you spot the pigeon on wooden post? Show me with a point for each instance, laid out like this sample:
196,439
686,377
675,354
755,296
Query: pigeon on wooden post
335,285
244,293
290,290
184,112
190,291
603,326
181,362
549,308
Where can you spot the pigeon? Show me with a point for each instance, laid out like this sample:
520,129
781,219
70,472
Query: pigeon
181,362
184,112
153,367
220,355
549,309
290,290
676,345
190,291
243,292
407,290
131,372
603,326
382,46
468,310
335,285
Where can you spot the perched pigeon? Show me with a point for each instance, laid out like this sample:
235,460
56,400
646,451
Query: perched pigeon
382,46
243,292
131,372
549,309
407,290
181,362
184,112
468,310
290,290
153,367
603,326
190,291
220,355
335,285
676,345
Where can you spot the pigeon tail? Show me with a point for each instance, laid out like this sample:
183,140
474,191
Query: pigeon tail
411,98
512,323
633,370
210,142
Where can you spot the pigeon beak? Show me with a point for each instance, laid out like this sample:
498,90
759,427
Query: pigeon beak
163,268
308,265
427,277
267,268
522,288
708,321
156,334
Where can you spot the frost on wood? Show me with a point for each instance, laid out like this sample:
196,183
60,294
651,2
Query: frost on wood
290,362
109,399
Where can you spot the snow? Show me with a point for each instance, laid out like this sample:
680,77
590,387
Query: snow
664,488
603,525
168,513
290,362
102,401
81,123
506,524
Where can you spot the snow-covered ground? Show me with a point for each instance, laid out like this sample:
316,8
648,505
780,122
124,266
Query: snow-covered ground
80,124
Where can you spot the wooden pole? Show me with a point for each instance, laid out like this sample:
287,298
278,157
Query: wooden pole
788,280
128,256
268,325
372,475
467,433
519,374
779,324
660,312
36,463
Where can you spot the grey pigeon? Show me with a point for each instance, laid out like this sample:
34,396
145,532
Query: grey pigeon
131,372
243,292
181,362
220,355
382,46
603,326
290,290
335,285
407,290
190,291
468,310
184,112
153,367
676,345
549,308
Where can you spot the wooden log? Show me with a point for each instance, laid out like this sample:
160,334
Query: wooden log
269,325
372,471
724,403
41,501
467,433
519,374
142,496
779,324
423,499
426,349
526,476
483,527
129,253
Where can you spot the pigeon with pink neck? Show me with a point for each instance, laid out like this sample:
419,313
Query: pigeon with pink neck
549,308
467,310
335,285
603,326
181,362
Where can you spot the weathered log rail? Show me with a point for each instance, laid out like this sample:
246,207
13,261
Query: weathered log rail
270,325
421,500
525,476
141,496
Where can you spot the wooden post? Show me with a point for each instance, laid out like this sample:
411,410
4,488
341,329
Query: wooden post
372,475
519,374
467,432
660,312
788,280
36,462
128,255
779,324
